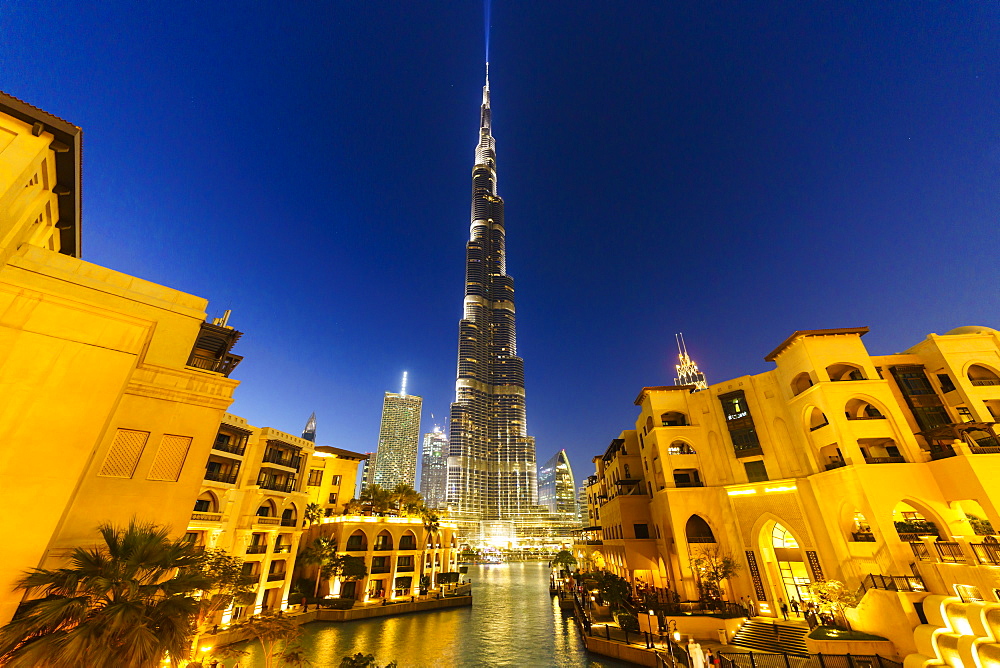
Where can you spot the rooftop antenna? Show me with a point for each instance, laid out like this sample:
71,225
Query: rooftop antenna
403,391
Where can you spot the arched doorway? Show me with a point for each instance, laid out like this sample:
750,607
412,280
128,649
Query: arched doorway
786,569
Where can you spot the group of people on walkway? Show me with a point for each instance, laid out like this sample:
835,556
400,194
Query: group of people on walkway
700,657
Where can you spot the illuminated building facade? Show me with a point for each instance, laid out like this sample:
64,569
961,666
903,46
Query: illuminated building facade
309,433
367,472
257,484
491,463
398,440
434,468
557,487
397,551
113,387
835,465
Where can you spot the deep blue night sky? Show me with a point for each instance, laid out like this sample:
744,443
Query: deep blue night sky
731,170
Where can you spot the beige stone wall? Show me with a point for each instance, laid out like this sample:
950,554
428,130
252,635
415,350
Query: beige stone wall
101,420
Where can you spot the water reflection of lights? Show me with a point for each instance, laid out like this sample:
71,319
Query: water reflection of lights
513,622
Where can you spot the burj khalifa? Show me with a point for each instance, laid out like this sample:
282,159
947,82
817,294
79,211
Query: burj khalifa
492,486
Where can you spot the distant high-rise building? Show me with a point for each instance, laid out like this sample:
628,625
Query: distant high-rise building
367,472
557,488
434,468
687,371
309,433
491,465
581,505
398,439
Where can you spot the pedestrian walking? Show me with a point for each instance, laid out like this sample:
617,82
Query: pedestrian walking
795,606
784,608
710,659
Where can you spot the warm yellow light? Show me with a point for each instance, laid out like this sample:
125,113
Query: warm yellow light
205,649
737,492
677,636
781,489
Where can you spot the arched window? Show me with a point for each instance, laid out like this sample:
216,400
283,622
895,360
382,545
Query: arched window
383,541
817,419
267,509
357,542
288,517
782,537
981,375
408,541
845,371
680,448
862,409
674,419
697,530
801,383
687,478
206,503
649,423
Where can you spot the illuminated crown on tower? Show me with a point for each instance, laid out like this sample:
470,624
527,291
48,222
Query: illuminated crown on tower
687,371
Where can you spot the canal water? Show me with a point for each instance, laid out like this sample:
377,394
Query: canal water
513,621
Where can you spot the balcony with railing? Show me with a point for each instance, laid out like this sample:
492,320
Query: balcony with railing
404,569
381,569
226,477
885,460
267,521
950,553
893,583
280,458
919,550
274,577
224,365
289,522
206,517
862,537
237,448
942,452
985,382
284,548
701,539
277,486
986,553
257,549
835,463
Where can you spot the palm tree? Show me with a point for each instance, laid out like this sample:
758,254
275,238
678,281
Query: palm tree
432,525
319,554
274,632
313,513
376,499
353,507
407,500
128,602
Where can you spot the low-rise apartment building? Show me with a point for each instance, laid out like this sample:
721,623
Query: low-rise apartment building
257,485
835,465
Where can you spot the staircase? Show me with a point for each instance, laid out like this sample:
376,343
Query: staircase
760,636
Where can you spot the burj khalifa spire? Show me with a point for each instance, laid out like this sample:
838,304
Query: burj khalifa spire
491,463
